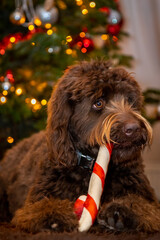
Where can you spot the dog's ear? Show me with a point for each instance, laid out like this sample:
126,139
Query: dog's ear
60,145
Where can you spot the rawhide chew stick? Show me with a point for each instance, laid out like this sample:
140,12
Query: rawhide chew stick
89,204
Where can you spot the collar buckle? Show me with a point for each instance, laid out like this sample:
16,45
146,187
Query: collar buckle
85,161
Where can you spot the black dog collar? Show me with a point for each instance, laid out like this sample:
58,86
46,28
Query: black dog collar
85,161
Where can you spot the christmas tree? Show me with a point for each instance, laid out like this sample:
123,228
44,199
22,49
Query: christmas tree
39,40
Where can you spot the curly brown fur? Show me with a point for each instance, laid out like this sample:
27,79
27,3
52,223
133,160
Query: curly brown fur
91,104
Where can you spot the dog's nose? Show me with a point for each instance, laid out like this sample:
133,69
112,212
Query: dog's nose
131,128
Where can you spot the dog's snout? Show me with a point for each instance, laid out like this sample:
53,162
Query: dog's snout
131,128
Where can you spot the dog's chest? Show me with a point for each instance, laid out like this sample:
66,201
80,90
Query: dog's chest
69,183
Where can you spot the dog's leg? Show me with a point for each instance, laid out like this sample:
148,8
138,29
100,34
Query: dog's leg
130,213
53,214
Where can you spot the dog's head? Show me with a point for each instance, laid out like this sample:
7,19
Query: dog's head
93,104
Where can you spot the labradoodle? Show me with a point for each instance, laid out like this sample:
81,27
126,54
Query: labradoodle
42,176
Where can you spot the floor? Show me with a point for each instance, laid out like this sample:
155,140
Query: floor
9,233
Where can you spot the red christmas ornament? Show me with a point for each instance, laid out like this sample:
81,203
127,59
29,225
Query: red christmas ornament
113,29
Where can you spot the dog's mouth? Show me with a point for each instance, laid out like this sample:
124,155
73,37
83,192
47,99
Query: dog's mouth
141,143
138,139
126,130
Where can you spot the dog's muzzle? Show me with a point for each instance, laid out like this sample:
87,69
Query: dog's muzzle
123,126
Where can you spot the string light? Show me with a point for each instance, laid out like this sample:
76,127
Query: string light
49,32
105,37
86,43
79,44
2,51
31,27
22,20
68,51
27,100
2,78
48,25
43,102
114,38
50,50
18,91
84,11
12,39
69,39
79,2
38,22
10,139
92,4
82,34
12,89
3,99
5,92
37,106
83,50
33,101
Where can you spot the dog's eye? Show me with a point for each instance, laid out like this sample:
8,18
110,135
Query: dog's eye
130,99
98,105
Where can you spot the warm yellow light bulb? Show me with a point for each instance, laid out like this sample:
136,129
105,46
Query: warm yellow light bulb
92,4
105,36
69,39
82,34
48,25
37,106
79,2
31,27
43,102
68,51
49,32
22,20
19,91
12,39
10,139
84,11
5,92
38,22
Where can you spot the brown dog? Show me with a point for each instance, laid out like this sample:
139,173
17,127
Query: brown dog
44,175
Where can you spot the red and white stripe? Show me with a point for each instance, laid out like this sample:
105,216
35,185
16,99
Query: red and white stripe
91,202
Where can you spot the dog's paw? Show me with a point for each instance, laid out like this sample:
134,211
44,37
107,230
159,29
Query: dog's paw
63,227
64,223
117,218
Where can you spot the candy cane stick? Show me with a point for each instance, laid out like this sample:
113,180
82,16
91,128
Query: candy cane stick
96,185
